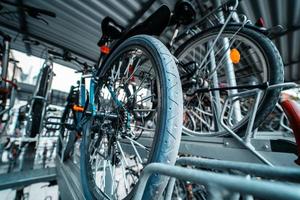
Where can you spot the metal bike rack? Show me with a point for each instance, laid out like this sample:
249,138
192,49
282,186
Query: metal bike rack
250,133
215,183
240,183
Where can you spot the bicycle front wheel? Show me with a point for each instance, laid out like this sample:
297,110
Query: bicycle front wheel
239,57
138,121
38,106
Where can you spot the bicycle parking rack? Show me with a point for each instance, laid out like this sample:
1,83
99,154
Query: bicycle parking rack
52,123
25,92
250,133
68,173
27,177
227,149
215,183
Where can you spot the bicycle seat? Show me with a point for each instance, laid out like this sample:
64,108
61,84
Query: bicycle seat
155,24
292,110
111,29
184,13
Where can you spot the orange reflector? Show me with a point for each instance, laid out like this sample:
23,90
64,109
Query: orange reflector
235,56
105,49
78,108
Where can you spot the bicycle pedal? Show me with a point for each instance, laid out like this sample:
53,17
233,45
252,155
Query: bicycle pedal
78,108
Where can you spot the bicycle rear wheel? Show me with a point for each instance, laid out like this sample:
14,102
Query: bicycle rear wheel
38,105
67,132
140,76
240,56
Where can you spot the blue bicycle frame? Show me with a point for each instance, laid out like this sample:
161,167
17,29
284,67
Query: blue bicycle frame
82,95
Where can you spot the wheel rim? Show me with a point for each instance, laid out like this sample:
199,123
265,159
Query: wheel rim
130,90
202,114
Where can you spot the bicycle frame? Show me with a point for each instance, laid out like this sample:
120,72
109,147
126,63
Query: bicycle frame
83,101
195,27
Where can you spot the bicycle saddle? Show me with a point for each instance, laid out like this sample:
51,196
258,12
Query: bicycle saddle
184,13
111,28
155,24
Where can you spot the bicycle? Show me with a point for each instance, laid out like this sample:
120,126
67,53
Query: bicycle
69,120
134,90
40,96
222,54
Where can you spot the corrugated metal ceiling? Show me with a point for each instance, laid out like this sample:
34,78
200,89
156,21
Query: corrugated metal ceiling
77,25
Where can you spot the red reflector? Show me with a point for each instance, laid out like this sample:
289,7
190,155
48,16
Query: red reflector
260,22
131,70
105,49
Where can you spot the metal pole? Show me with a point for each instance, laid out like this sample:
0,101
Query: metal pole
248,145
5,60
279,173
215,97
258,188
229,71
170,188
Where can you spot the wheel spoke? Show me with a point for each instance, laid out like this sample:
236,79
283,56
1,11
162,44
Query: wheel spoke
136,152
135,142
146,98
122,153
124,176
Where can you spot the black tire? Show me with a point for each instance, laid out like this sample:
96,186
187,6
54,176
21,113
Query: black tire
67,132
167,134
38,104
275,68
36,122
67,135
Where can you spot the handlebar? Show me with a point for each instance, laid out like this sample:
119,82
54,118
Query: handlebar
66,56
